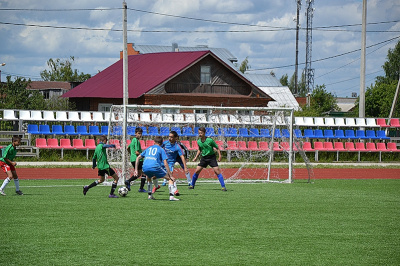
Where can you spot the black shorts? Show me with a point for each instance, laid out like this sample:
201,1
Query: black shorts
140,166
108,171
209,160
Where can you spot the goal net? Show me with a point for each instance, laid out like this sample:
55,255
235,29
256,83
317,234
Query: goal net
257,144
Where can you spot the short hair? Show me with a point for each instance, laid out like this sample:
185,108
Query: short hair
103,138
202,129
174,133
15,138
158,140
138,130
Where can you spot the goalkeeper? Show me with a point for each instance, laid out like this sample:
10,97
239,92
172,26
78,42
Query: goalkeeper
207,147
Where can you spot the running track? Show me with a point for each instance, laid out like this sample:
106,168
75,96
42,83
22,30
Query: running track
326,173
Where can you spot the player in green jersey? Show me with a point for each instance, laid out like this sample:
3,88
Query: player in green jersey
207,148
135,149
100,156
8,165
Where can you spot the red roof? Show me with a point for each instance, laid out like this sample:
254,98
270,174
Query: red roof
145,72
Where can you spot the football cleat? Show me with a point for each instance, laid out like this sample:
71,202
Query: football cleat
112,196
19,192
2,192
155,189
128,185
164,184
142,190
224,189
172,198
151,197
85,190
191,187
176,193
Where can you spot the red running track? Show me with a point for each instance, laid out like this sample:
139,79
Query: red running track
88,173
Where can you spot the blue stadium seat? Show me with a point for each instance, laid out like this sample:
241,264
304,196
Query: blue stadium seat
44,130
370,134
360,134
144,129
328,133
243,132
153,131
298,134
33,129
164,131
264,132
82,130
117,131
339,134
318,134
254,133
349,133
94,131
69,130
285,133
308,133
130,130
187,132
104,130
57,130
177,130
277,133
381,135
210,132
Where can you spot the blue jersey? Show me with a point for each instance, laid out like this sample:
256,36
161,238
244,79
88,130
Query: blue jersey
174,151
154,157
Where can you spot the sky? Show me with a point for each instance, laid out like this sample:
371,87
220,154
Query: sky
263,31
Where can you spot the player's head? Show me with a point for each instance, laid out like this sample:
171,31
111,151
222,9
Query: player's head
173,136
202,132
158,140
16,140
138,132
103,139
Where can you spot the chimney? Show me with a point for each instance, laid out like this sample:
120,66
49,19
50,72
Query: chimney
175,47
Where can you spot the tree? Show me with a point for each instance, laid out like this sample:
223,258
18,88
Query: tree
284,80
61,70
16,96
321,103
244,65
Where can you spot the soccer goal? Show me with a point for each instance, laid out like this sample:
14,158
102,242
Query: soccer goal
257,144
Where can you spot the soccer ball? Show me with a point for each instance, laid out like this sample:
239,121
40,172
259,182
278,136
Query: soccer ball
123,191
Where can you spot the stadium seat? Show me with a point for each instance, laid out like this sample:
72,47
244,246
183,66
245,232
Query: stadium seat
179,118
276,146
107,117
371,122
370,146
232,132
381,146
213,118
201,118
33,129
44,130
370,134
187,144
73,116
299,121
231,145
90,144
9,115
339,122
149,143
349,146
328,146
319,122
309,121
128,142
187,132
338,146
234,119
52,144
285,133
339,134
255,119
264,146
220,144
190,118
392,146
349,133
82,130
177,130
57,130
264,133
285,145
116,143
381,135
243,132
36,116
242,146
117,131
86,117
254,133
48,116
330,122
360,146
156,117
78,144
381,122
318,134
298,134
319,146
252,146
328,134
65,144
144,129
130,130
308,133
143,144
41,143
167,118
104,130
24,115
277,133
307,146
98,117
70,130
394,122
61,116
224,119
153,131
195,146
350,122
164,131
360,134
210,132
94,131
360,122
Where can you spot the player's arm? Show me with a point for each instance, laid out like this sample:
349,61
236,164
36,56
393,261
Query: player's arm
197,155
8,161
94,162
108,146
219,154
168,171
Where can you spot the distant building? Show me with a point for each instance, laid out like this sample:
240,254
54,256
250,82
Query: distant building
50,89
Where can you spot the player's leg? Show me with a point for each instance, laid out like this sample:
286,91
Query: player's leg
217,171
133,177
150,187
156,185
6,181
101,175
16,182
174,186
171,188
164,183
195,176
142,181
114,184
188,178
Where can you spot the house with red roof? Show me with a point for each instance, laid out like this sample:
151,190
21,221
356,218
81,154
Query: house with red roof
170,78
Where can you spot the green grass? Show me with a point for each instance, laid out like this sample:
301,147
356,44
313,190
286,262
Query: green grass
338,222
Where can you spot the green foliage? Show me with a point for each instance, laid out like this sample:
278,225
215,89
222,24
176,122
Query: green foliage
321,103
244,65
59,103
61,70
16,96
284,80
344,222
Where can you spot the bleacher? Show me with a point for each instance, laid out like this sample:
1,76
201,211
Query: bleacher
72,130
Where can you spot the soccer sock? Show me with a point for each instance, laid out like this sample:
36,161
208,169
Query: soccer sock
113,187
155,181
95,183
134,177
171,190
194,178
188,178
142,182
221,180
149,187
5,183
174,188
16,182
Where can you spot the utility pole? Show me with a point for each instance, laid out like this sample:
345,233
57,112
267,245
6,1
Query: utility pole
361,112
125,88
296,92
308,71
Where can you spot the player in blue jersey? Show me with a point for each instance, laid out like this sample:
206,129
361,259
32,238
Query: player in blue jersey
175,154
155,166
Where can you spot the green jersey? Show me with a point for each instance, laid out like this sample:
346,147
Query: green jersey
9,153
207,147
134,147
100,156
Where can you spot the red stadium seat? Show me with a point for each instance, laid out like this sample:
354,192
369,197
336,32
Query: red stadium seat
381,146
307,146
65,144
328,146
394,122
350,146
371,146
53,144
277,147
90,144
78,144
319,146
149,143
338,146
195,146
232,145
253,146
360,146
220,144
187,144
392,146
41,143
264,146
381,122
142,144
242,146
116,143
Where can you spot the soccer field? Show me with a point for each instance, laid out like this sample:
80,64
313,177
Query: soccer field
329,222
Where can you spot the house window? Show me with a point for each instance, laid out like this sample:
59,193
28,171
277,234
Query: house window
46,94
205,74
104,107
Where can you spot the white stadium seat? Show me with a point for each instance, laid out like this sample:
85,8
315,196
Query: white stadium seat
24,115
371,122
350,122
360,122
213,118
86,117
98,117
201,118
190,118
167,118
145,117
74,116
309,121
9,115
319,121
61,116
339,122
133,117
48,116
178,118
329,121
224,119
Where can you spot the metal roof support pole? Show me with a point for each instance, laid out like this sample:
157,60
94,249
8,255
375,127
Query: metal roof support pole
125,90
